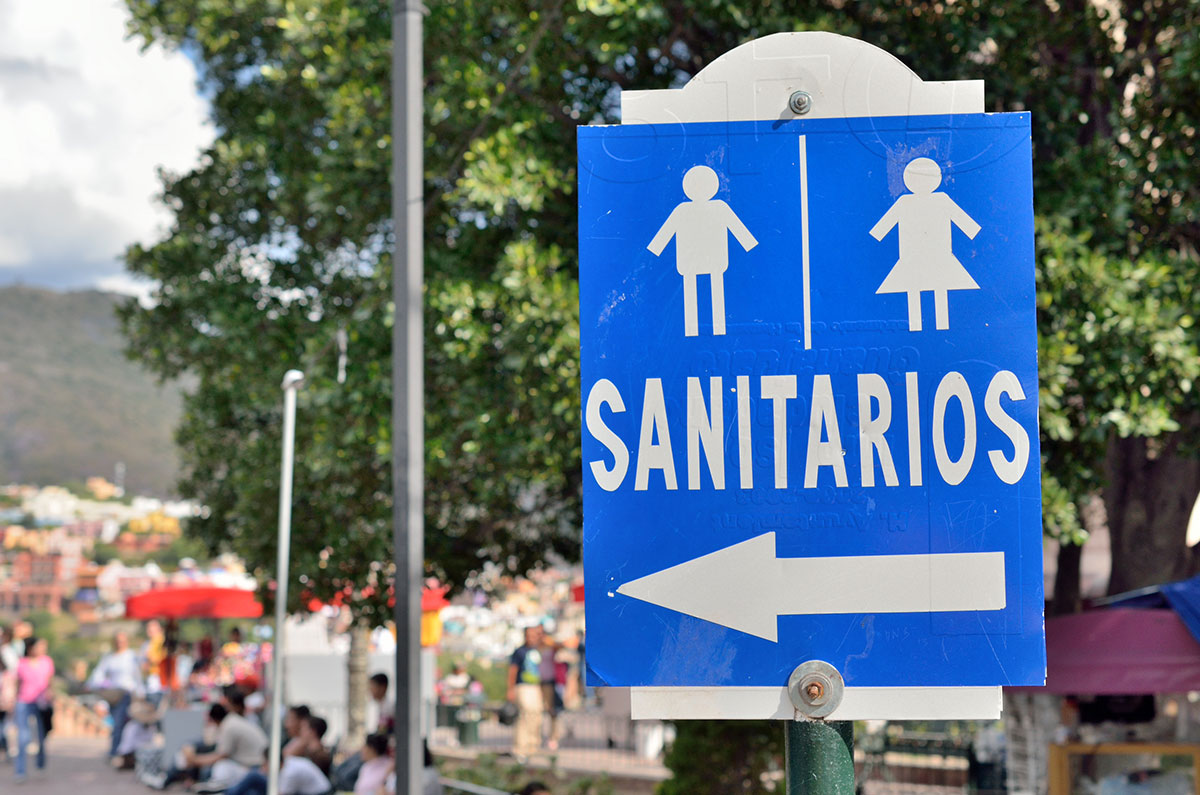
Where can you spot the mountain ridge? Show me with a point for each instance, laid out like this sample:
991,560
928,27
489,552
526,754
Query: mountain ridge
71,404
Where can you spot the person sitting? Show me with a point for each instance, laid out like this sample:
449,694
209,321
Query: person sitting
431,784
241,747
136,734
376,765
308,743
293,719
298,775
256,703
385,708
455,685
305,775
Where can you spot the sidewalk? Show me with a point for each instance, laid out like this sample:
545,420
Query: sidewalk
79,765
73,765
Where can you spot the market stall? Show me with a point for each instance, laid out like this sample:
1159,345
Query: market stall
1120,713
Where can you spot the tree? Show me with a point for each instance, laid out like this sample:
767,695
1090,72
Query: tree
280,244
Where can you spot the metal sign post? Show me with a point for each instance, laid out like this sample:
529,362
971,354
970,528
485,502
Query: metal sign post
819,757
408,384
809,376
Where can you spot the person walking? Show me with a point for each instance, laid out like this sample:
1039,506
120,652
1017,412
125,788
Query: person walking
119,675
9,657
551,699
525,690
34,673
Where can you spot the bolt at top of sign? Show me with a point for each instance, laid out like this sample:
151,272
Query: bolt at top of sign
800,102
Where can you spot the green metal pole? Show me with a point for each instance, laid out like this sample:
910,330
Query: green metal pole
819,757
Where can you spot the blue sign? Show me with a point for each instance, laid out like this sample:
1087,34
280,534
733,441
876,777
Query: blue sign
810,402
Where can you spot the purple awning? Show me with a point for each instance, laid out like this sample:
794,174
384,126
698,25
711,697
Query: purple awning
1119,651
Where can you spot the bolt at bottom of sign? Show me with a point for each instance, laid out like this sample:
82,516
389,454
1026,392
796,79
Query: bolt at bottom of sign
815,688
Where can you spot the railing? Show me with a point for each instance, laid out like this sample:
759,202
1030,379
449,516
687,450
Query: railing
75,719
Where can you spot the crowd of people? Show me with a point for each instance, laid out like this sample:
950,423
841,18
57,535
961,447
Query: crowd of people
129,685
134,685
232,755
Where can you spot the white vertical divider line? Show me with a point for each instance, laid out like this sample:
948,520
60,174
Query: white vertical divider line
804,241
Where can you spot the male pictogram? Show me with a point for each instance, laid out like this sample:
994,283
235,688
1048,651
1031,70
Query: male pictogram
701,228
926,263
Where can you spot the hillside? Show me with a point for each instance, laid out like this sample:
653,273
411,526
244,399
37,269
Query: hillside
71,404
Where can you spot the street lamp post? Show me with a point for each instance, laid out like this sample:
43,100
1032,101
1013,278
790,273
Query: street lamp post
292,381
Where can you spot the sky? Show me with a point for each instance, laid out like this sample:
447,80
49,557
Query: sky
86,120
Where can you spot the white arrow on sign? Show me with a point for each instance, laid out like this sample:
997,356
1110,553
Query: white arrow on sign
746,587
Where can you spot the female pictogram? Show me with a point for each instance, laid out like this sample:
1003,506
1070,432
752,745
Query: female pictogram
701,228
926,263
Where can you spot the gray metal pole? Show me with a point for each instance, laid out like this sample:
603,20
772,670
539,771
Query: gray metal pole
819,757
292,381
408,384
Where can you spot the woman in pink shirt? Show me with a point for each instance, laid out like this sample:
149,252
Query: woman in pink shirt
377,764
34,672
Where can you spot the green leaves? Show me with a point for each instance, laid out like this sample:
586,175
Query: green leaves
1116,357
503,390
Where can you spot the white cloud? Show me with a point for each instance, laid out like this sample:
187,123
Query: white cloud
124,284
86,119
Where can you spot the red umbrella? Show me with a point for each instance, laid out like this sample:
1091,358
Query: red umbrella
193,601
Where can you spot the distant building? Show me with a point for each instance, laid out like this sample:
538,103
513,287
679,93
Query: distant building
130,543
116,582
101,489
146,505
73,548
52,504
86,600
92,529
35,583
